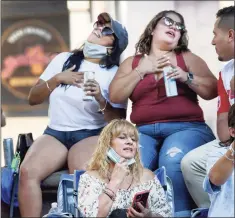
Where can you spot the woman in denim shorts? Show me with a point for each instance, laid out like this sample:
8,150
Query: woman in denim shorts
74,123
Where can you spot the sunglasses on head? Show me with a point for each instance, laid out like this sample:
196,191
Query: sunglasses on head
106,31
169,22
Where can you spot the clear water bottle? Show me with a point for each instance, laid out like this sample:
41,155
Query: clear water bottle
170,84
54,208
8,151
88,75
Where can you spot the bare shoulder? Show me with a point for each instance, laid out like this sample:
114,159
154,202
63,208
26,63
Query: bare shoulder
147,175
126,66
191,57
128,60
196,64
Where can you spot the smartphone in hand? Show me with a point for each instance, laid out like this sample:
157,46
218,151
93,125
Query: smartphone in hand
141,197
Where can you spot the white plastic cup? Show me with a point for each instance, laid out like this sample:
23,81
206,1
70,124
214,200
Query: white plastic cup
88,75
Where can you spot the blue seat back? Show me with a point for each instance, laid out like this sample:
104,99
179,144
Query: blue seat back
67,192
77,174
65,199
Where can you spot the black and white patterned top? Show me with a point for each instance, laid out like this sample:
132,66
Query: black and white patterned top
91,187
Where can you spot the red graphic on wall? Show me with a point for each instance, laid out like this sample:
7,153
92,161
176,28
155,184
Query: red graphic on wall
34,57
27,49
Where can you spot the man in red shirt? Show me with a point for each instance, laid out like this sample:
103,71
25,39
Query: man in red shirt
193,165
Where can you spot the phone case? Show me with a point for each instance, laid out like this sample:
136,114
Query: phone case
112,154
141,197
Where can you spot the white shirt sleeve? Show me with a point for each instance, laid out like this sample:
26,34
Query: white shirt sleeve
105,90
105,94
55,66
213,157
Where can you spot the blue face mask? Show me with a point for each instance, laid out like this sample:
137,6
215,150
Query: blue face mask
91,50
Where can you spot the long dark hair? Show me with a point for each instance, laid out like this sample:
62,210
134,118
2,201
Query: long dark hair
108,61
143,46
231,123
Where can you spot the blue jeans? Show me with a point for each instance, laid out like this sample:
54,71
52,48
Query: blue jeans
165,144
69,138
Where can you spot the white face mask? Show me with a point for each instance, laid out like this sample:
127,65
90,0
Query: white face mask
91,50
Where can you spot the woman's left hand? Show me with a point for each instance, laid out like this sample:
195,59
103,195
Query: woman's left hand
144,212
92,88
178,74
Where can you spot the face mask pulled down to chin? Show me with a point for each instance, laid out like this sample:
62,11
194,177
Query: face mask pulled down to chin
115,157
92,50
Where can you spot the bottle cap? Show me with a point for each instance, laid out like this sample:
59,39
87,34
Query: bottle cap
54,204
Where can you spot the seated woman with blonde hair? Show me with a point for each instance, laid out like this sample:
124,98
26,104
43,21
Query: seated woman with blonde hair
115,174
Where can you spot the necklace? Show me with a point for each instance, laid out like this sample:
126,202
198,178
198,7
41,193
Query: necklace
132,178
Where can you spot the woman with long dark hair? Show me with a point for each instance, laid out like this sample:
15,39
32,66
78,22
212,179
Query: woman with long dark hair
169,127
74,123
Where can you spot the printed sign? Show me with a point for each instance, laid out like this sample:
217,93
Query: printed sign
27,48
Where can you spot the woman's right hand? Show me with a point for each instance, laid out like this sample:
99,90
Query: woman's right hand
70,78
120,171
150,65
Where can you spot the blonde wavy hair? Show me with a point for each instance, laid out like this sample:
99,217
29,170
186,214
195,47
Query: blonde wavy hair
99,160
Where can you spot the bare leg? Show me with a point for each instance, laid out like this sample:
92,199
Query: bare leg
80,154
44,157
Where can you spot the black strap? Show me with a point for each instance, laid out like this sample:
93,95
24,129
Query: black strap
164,187
13,193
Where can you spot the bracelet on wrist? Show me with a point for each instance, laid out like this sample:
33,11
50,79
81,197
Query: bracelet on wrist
48,87
112,197
231,150
110,190
101,110
137,70
231,159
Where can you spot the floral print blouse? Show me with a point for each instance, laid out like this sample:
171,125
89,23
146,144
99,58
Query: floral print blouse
91,187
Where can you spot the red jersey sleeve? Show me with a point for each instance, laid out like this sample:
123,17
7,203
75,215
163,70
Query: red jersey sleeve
223,101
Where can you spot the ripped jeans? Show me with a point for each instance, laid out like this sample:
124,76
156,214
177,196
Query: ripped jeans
165,144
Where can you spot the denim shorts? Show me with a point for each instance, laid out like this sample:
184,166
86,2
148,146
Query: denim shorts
69,138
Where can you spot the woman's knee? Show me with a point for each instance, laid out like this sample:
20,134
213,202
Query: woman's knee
27,173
